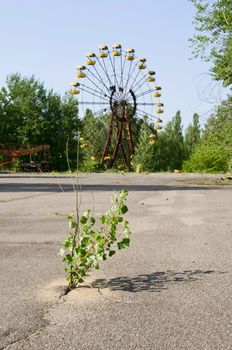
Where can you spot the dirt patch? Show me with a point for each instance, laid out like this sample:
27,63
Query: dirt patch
53,291
58,289
217,181
87,292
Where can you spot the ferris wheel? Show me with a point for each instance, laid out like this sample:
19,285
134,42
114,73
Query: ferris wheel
119,91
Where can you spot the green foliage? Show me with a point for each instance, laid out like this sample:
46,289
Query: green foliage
171,145
90,241
30,115
213,41
166,153
214,152
192,136
207,158
90,165
144,159
15,165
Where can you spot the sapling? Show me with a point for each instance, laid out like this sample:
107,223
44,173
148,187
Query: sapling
92,240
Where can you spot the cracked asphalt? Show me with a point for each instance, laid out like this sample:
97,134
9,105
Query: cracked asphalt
170,290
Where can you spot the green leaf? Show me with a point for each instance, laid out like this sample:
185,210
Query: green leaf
71,216
123,194
127,232
92,221
68,258
78,250
72,224
68,243
86,213
83,220
112,252
124,243
103,219
121,245
123,209
118,219
85,241
96,236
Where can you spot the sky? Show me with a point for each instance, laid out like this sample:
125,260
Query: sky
48,38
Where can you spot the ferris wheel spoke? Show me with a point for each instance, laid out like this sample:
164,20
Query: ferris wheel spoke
103,110
128,78
144,93
130,74
135,79
122,69
145,104
150,116
100,81
103,67
144,115
98,88
142,111
92,103
113,67
116,80
140,83
111,82
101,78
92,133
130,98
93,92
137,125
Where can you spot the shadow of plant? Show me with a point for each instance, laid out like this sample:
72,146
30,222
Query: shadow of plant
153,282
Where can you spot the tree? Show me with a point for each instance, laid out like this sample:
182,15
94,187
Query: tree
171,144
31,115
192,136
214,151
145,152
21,102
213,41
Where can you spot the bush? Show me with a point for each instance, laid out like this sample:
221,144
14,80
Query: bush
207,158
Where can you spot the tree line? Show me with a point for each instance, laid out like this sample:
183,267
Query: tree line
30,115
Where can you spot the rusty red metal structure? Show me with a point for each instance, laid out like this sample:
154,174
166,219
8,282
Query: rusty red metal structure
13,151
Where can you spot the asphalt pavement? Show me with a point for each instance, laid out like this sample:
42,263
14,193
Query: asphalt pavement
170,290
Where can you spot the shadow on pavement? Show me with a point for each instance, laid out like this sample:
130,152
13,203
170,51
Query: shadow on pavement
153,282
49,187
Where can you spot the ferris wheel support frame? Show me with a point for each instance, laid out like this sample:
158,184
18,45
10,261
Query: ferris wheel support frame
120,95
123,126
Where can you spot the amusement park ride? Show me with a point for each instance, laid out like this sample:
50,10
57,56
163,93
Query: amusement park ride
117,85
119,90
11,152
